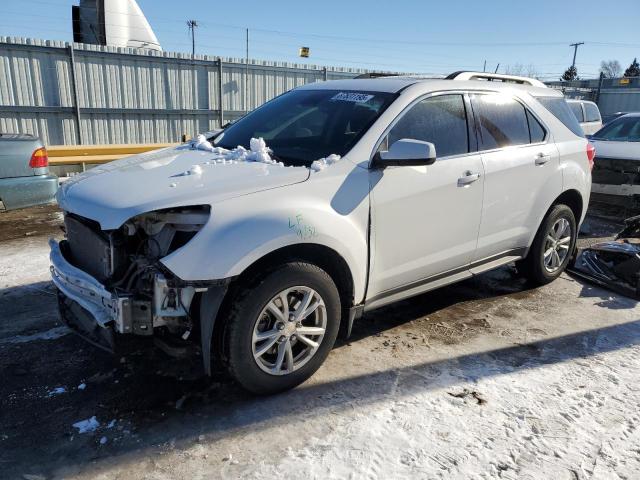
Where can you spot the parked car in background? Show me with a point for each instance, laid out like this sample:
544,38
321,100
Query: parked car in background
617,163
588,115
25,179
608,118
254,247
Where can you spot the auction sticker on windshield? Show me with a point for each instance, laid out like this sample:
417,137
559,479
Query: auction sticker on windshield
352,97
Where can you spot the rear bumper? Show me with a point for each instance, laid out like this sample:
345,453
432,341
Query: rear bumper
22,192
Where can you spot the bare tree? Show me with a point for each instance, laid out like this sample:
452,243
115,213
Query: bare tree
522,70
611,68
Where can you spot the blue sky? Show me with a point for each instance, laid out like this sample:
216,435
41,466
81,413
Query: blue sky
416,36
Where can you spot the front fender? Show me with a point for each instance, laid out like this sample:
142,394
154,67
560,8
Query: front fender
244,229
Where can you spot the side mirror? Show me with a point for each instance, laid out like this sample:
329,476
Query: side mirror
406,152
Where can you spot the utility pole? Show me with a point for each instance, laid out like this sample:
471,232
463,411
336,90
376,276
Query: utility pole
497,67
575,51
192,24
246,75
484,68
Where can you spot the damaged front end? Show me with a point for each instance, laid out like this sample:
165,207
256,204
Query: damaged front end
613,265
113,288
618,180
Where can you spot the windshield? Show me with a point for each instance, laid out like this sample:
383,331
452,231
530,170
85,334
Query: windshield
306,125
624,129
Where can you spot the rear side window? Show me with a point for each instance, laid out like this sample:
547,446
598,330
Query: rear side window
592,113
559,108
536,130
502,121
576,108
441,120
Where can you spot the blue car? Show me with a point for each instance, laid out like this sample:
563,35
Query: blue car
25,179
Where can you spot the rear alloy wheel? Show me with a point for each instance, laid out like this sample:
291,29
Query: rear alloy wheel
551,248
556,245
282,328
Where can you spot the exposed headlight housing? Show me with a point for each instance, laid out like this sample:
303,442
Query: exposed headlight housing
164,231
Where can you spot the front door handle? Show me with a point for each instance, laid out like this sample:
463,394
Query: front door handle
541,159
469,177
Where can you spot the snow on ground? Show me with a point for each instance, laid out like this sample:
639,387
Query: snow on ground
570,420
88,425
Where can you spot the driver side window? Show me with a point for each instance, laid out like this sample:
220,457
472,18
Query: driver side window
440,120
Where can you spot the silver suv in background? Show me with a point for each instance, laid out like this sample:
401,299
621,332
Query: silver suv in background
588,115
24,172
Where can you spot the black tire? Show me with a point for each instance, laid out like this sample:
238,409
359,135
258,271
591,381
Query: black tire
247,307
532,266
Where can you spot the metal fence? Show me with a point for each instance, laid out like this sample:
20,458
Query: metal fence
86,94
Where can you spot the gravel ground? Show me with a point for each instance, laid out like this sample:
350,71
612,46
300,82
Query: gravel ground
484,379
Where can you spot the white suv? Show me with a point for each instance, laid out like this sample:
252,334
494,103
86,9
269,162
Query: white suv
254,247
588,115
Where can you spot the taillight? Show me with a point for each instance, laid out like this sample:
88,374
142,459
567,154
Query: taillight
591,154
39,158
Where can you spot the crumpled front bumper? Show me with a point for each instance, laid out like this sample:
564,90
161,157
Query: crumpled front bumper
82,288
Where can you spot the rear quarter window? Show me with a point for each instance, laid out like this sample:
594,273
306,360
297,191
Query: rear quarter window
576,108
592,113
559,108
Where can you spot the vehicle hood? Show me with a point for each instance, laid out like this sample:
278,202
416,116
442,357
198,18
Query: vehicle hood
617,150
178,176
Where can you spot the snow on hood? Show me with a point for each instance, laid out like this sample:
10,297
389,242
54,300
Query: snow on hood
177,176
258,152
323,163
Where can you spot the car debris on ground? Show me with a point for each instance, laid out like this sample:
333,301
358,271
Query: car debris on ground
615,264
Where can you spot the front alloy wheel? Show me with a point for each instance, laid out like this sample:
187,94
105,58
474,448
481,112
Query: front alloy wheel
289,330
281,327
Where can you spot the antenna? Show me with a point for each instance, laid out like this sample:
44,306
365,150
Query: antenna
192,24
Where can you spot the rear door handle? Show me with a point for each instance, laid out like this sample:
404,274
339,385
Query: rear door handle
469,177
541,159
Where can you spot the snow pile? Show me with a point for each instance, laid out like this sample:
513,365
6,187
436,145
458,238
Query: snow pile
57,391
201,143
323,163
258,152
88,425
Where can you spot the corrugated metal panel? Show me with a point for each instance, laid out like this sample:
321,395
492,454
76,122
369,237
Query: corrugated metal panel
133,96
619,100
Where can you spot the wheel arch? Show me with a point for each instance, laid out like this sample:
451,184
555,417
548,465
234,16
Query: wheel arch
572,199
321,255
